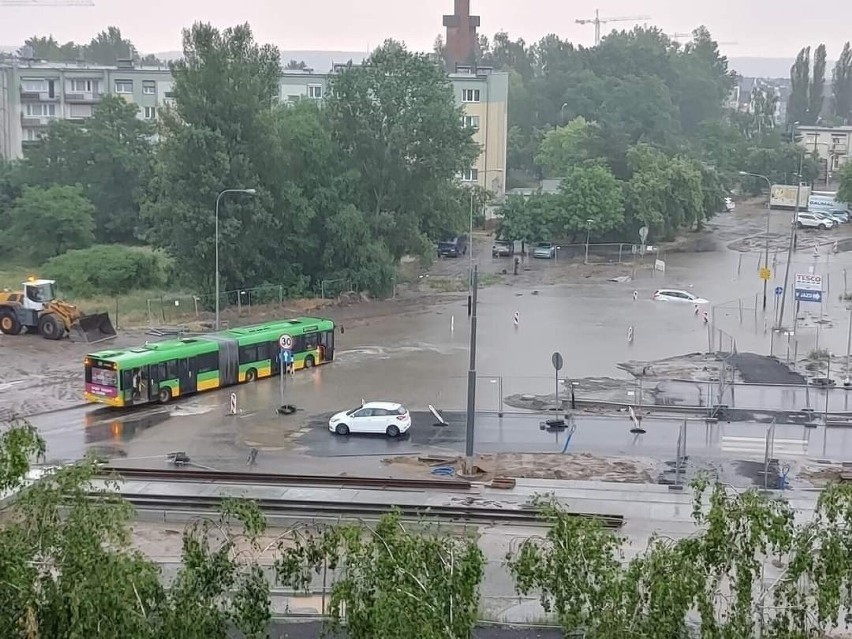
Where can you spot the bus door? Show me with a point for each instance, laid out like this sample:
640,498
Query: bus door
186,377
326,341
158,373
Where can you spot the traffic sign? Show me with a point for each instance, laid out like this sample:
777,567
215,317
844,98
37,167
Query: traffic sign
556,359
285,342
808,296
779,290
765,273
643,234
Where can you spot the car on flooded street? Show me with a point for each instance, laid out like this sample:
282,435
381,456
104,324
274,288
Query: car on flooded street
544,251
388,418
809,220
502,248
674,295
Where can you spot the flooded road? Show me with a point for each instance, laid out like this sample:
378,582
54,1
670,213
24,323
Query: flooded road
420,358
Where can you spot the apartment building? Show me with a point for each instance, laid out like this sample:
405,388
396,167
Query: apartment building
832,144
34,94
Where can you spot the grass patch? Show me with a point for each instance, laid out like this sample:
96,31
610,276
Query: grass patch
13,275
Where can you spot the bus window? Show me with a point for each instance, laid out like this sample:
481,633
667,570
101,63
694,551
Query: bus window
262,352
311,342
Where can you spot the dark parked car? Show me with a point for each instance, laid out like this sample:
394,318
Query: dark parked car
502,248
453,247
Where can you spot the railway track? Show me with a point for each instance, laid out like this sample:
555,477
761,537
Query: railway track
228,477
313,509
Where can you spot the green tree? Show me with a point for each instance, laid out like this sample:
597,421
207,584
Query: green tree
816,92
800,81
841,86
590,197
570,145
396,119
49,221
844,191
394,583
221,135
108,47
47,48
111,156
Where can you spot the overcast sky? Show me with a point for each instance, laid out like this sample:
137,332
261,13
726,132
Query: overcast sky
758,27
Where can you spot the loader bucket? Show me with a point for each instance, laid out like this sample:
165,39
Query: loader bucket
95,328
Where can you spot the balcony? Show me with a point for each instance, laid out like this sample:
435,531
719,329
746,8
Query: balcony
31,121
839,148
38,96
82,98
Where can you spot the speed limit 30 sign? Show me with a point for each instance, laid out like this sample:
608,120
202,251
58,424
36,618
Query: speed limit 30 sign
285,342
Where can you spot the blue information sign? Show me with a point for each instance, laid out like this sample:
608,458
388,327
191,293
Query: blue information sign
803,295
286,357
779,290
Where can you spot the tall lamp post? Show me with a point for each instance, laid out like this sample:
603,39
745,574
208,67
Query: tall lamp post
470,245
588,235
793,224
766,250
218,199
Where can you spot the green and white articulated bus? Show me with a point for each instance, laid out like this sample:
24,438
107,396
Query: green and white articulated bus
162,371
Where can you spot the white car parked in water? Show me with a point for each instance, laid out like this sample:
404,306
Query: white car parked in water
672,295
372,417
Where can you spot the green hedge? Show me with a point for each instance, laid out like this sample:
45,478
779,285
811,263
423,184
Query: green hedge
107,270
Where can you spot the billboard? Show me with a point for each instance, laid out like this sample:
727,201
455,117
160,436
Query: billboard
784,196
808,287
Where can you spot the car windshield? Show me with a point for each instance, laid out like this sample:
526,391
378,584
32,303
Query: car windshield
544,245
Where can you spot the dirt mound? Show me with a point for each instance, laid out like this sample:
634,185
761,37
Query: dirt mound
583,466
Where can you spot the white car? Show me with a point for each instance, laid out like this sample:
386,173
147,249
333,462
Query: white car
672,295
372,417
809,220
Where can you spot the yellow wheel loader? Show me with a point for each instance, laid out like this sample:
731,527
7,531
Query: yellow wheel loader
36,309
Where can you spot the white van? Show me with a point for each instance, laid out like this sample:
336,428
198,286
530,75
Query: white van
824,201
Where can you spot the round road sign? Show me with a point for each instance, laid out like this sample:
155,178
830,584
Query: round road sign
556,358
285,342
779,290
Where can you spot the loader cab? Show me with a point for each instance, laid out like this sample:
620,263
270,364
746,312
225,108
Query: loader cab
37,293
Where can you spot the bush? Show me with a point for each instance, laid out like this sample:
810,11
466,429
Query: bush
107,270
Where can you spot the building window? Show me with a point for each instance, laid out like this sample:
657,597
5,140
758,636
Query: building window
470,95
80,110
469,175
149,87
471,122
84,86
150,113
40,110
32,135
34,85
124,86
315,91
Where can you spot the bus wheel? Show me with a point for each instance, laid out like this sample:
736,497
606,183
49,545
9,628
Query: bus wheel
309,361
251,375
165,395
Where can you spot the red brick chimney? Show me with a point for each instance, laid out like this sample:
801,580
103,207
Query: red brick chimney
461,36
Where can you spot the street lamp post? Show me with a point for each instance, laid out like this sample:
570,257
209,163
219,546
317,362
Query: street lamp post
218,198
588,235
766,252
470,246
792,243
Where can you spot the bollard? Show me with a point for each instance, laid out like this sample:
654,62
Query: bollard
516,319
630,335
233,403
452,324
635,296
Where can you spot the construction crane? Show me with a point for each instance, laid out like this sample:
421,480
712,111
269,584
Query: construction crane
678,36
598,21
47,3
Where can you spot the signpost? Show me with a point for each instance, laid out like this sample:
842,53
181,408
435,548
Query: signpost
556,360
285,356
808,287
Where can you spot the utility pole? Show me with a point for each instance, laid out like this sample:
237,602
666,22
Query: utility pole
790,249
471,378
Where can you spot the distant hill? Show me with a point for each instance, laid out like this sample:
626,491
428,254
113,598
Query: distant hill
768,67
